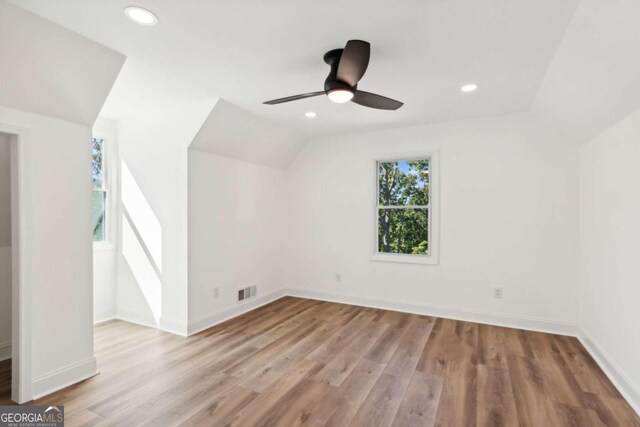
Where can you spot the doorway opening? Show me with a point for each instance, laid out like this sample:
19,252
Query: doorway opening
15,327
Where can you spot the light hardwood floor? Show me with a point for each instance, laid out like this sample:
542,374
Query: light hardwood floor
304,362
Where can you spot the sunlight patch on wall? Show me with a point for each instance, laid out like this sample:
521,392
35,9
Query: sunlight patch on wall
142,217
142,241
142,269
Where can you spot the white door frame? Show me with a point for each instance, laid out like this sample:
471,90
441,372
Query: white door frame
20,147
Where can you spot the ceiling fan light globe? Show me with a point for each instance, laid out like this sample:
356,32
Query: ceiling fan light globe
340,96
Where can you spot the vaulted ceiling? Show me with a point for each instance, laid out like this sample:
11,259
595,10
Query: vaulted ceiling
46,69
232,132
571,62
594,78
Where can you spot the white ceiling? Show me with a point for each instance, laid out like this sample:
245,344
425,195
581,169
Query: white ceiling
49,70
594,79
253,50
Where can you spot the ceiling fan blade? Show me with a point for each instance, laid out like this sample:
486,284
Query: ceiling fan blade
372,100
353,61
293,98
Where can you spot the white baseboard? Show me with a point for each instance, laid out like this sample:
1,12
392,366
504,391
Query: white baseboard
134,316
175,326
619,378
167,324
212,319
5,351
100,316
63,377
498,319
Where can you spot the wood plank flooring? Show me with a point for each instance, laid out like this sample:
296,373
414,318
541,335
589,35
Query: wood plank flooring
304,362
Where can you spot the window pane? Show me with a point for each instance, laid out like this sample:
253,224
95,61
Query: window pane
97,169
403,231
403,182
99,201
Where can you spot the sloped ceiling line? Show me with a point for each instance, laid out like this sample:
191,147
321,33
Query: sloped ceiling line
593,80
49,70
232,132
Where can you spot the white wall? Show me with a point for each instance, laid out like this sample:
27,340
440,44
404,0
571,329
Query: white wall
5,248
152,274
509,200
59,254
235,232
609,236
104,284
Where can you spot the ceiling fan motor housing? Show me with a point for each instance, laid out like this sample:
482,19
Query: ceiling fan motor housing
332,58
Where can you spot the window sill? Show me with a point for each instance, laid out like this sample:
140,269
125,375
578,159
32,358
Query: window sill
405,259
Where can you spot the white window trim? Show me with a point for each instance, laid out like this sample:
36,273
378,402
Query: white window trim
110,147
434,211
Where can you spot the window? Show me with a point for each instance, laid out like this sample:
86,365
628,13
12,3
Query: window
404,213
99,190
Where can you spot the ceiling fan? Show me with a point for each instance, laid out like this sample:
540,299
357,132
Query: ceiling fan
347,68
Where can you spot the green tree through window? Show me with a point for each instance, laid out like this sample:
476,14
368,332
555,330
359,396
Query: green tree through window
403,207
99,195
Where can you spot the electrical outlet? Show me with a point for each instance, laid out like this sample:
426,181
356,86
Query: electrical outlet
254,290
338,277
497,292
216,292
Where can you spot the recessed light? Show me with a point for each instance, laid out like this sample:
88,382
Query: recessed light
310,114
469,87
340,96
140,16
